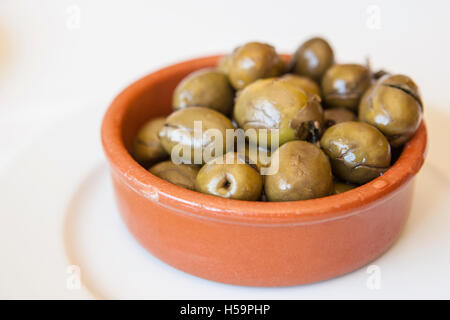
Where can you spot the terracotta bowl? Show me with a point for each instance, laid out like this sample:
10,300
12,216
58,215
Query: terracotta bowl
242,242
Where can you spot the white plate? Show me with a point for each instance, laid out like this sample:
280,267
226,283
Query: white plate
57,213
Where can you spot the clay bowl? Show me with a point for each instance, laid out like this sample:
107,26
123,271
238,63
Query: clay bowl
242,242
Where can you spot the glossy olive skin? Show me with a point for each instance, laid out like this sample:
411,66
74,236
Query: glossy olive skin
308,123
393,105
256,156
147,147
182,175
306,84
313,58
358,151
304,172
178,132
206,88
340,187
337,115
344,84
269,104
224,63
230,177
254,61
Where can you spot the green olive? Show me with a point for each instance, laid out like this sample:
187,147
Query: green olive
147,147
393,105
269,104
308,123
180,139
313,58
358,151
229,177
344,84
337,115
182,175
256,156
224,63
281,67
340,187
254,61
306,84
304,172
206,88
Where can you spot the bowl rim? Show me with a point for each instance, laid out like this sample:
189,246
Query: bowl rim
185,201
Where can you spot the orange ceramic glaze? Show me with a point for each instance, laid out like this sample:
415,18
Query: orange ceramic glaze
242,242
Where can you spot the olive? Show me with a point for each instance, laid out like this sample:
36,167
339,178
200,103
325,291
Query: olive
337,115
180,138
256,156
304,172
308,123
206,88
230,177
358,151
340,187
224,63
313,58
182,175
269,104
281,67
254,61
393,105
344,84
306,84
147,147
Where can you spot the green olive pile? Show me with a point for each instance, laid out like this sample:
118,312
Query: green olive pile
336,125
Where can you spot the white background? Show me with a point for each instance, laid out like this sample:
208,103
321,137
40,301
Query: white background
50,65
63,58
